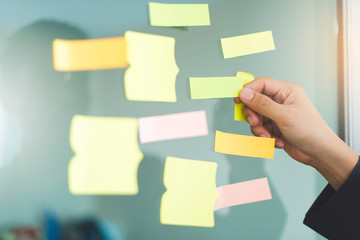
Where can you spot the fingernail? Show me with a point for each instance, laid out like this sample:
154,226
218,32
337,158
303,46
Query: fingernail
246,94
279,144
249,120
263,135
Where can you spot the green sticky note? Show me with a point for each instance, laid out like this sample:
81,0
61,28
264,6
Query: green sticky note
178,15
215,87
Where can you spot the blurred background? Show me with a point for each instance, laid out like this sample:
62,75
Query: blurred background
37,105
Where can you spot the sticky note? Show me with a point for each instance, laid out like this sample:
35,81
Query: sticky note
242,145
247,44
243,193
152,72
191,193
246,78
215,87
173,126
93,54
177,15
238,115
107,155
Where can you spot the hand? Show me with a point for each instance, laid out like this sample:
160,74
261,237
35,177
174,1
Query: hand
283,110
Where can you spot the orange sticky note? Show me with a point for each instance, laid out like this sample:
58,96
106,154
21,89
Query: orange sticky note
243,193
242,145
89,54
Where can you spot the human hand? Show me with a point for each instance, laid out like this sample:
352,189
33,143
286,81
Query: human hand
283,111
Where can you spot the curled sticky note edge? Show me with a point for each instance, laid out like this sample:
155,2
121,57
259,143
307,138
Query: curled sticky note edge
243,193
89,54
247,44
246,78
215,87
191,193
152,73
178,15
173,126
242,145
107,155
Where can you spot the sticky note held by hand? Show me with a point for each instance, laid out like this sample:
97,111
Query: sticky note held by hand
107,155
191,193
247,44
246,78
242,145
178,15
89,54
152,73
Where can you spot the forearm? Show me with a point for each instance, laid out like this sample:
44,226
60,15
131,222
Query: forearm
336,161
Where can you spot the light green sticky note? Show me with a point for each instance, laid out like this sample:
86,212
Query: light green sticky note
215,87
152,71
107,155
178,15
247,44
246,78
190,194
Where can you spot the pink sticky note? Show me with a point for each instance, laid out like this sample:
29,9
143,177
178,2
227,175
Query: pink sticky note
242,193
172,126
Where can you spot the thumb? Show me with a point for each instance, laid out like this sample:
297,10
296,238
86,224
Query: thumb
262,104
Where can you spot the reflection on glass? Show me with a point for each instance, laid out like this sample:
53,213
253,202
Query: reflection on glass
43,102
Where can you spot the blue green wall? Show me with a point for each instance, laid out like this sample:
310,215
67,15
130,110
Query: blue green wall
305,39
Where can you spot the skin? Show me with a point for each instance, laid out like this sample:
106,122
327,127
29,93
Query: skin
283,111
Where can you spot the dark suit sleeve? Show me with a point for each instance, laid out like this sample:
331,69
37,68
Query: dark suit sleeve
336,214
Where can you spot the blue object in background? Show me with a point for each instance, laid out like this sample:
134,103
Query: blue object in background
52,226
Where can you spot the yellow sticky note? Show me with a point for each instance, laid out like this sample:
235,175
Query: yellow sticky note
177,15
152,73
249,146
215,87
79,55
247,44
107,155
238,115
191,193
246,78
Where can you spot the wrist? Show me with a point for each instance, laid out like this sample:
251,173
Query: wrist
335,161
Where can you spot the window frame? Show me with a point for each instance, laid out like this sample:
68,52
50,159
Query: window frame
350,71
